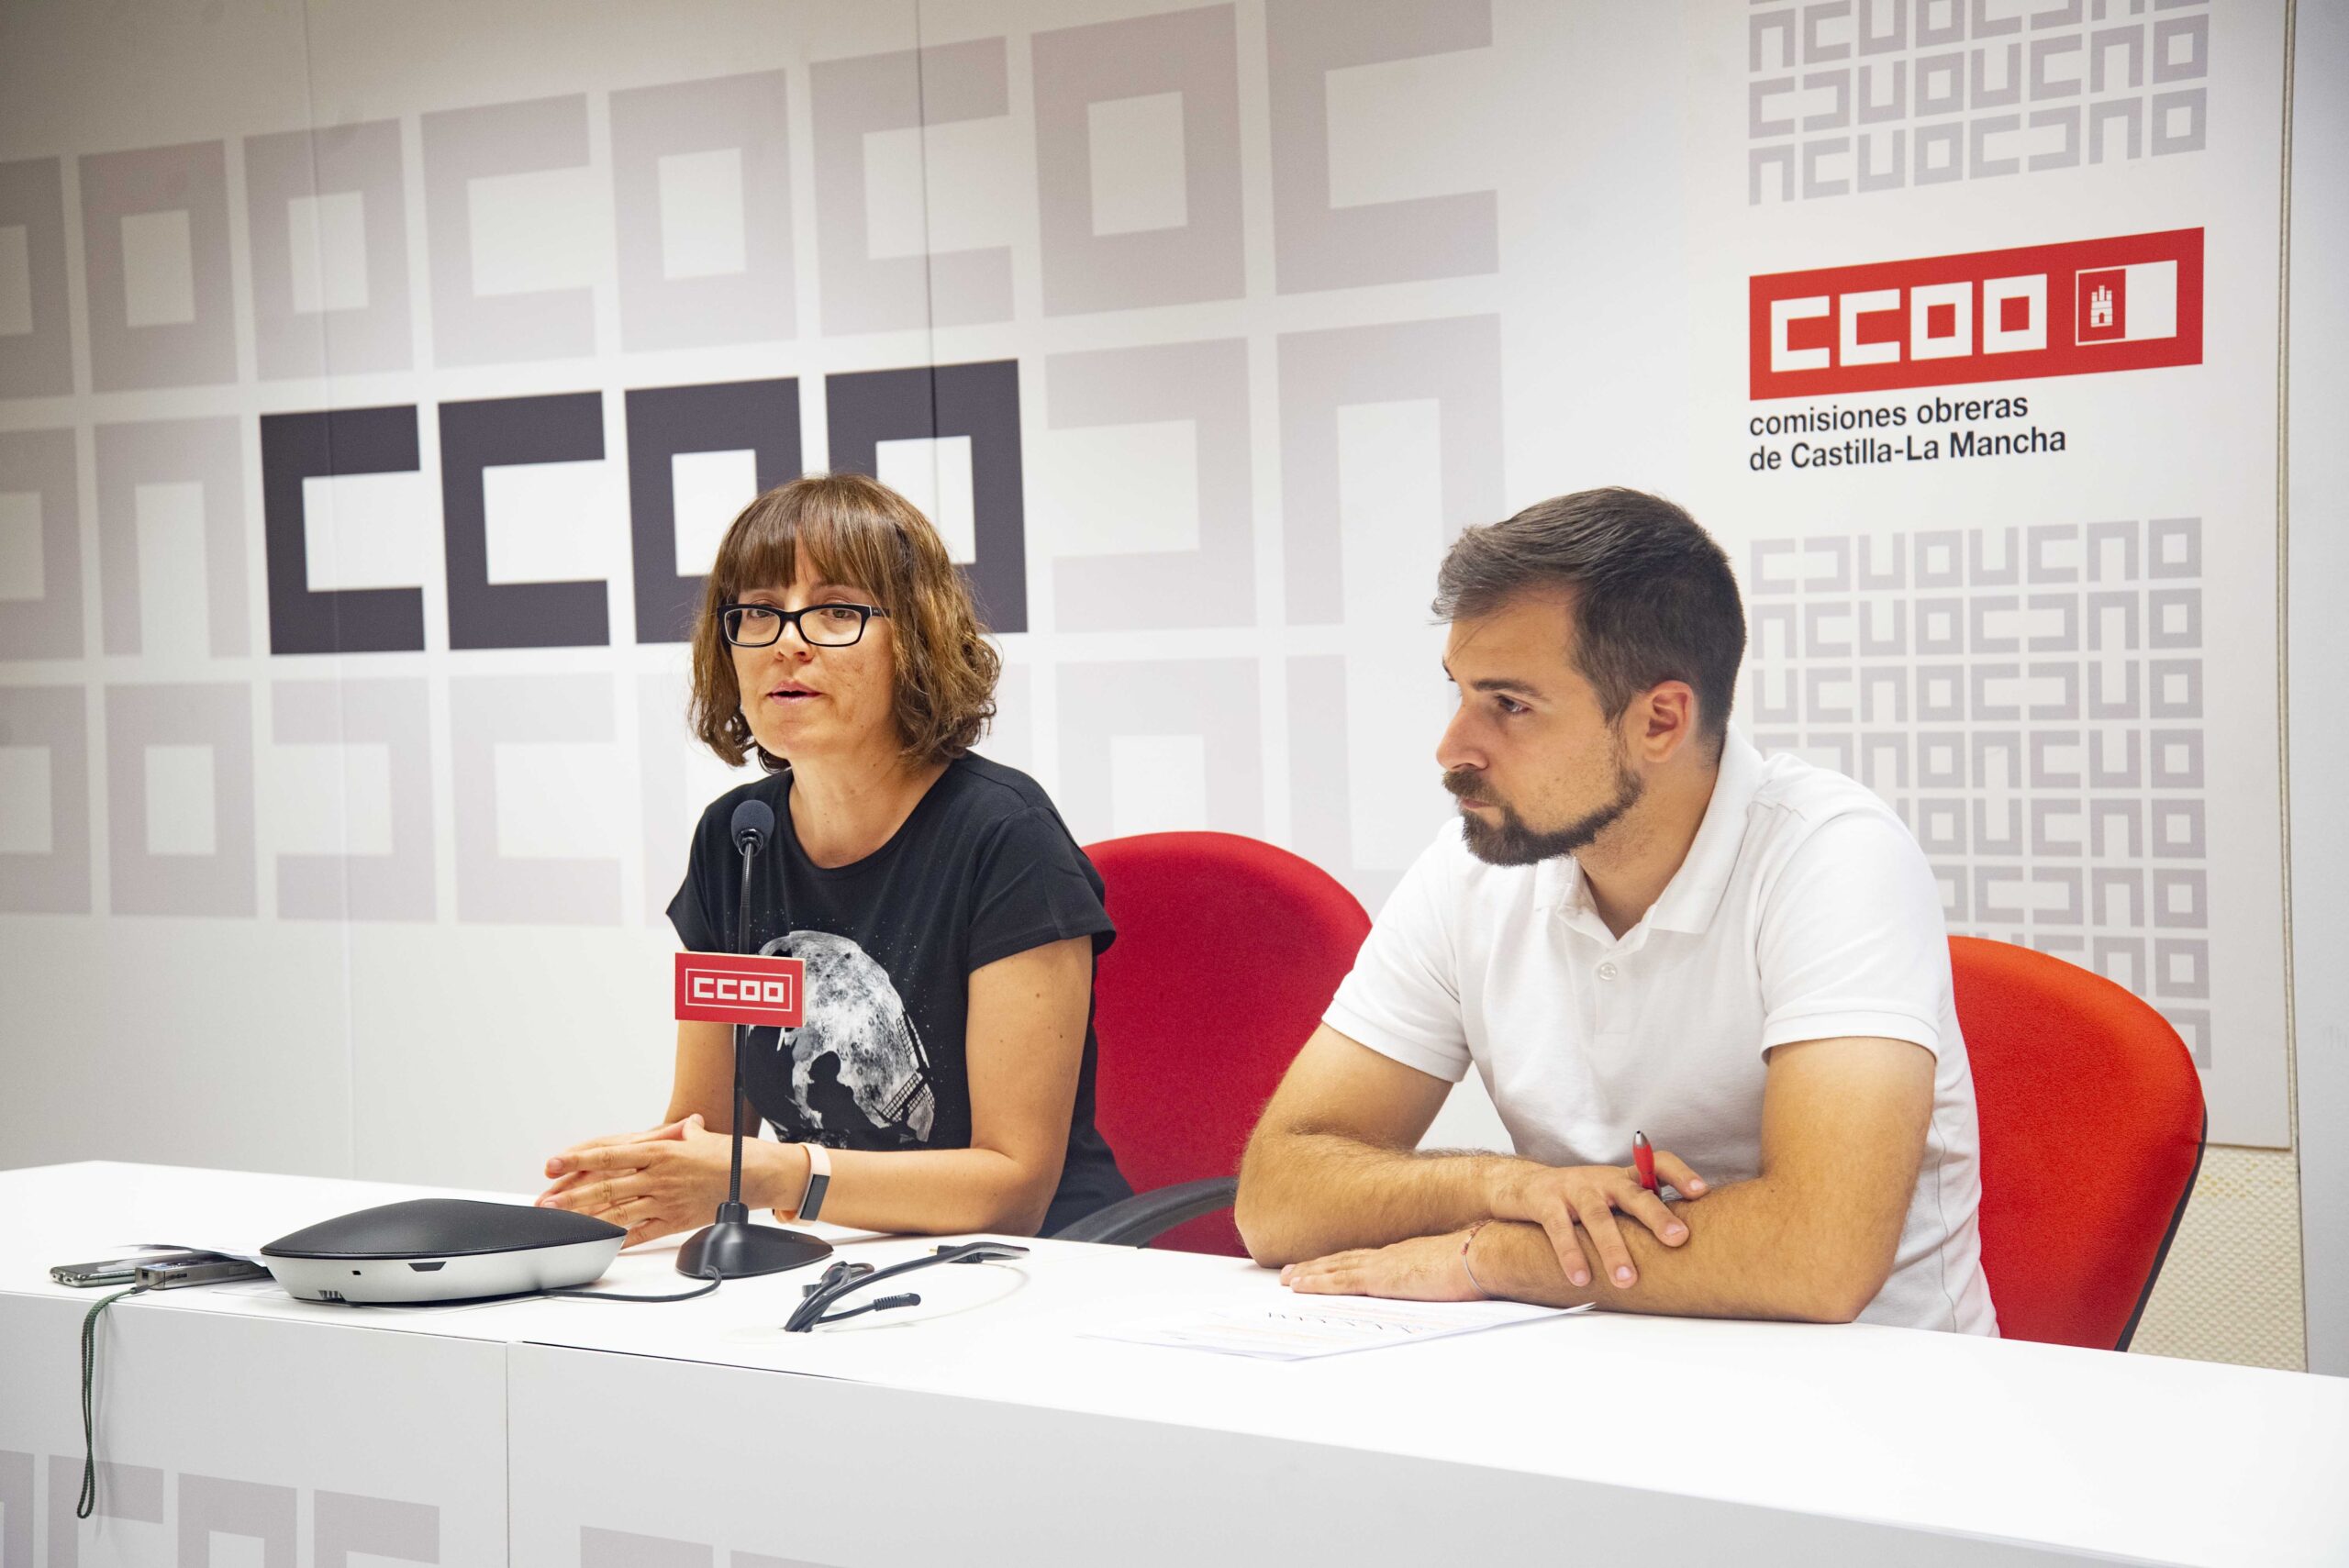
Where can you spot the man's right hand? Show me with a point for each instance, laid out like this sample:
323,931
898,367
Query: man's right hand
1557,1197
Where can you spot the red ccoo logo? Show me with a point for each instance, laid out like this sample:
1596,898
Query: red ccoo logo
2133,302
729,988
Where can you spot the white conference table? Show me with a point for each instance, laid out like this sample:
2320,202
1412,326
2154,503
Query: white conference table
986,1426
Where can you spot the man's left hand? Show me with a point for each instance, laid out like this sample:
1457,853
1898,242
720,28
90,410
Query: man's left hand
1426,1268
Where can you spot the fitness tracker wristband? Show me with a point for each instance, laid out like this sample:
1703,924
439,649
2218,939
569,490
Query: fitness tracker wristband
820,1176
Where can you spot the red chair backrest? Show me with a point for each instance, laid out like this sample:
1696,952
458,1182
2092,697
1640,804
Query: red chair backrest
2092,1124
1228,951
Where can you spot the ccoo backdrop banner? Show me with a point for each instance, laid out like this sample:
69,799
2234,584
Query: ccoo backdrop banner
375,383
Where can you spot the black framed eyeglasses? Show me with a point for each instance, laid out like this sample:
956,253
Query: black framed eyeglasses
822,626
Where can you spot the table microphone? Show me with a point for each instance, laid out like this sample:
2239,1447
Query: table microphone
732,1246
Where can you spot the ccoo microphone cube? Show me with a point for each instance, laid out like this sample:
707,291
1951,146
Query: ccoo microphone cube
738,989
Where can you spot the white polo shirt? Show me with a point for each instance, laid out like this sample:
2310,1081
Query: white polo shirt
1804,911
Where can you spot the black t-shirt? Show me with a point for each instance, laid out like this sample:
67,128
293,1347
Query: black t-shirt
984,868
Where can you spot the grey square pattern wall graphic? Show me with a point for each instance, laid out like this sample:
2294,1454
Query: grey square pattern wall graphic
512,432
1204,385
1455,363
184,477
691,184
37,354
1210,704
37,487
489,712
977,403
2030,699
1847,97
179,758
129,1492
325,212
904,90
45,869
666,423
1319,245
155,261
462,147
360,718
295,449
343,1525
602,1548
1321,781
1192,55
213,1505
17,1506
714,155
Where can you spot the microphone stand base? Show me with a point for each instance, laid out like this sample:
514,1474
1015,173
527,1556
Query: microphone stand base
735,1248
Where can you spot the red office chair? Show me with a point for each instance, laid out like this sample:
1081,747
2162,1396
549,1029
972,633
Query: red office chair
1228,951
2092,1127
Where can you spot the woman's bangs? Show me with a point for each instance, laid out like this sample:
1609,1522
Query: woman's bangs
766,550
838,544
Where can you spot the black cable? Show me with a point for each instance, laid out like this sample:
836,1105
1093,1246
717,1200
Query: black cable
89,1502
842,1278
616,1295
884,1305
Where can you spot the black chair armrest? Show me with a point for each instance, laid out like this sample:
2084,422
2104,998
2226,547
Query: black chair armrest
2178,1218
1139,1221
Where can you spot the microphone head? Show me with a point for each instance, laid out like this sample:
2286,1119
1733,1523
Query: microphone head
753,824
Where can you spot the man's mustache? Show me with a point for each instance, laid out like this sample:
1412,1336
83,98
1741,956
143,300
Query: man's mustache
1465,784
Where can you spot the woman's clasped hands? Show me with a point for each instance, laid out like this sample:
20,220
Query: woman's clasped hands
655,1182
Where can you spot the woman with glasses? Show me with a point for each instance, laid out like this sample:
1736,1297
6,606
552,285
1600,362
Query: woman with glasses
941,1078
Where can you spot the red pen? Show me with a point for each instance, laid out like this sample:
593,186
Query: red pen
1643,1157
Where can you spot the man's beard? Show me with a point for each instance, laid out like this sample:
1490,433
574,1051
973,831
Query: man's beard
1508,841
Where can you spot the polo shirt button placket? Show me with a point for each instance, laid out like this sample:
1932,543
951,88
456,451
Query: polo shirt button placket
1607,971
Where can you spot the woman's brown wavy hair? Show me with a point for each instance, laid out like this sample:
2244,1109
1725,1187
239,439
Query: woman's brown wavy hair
855,530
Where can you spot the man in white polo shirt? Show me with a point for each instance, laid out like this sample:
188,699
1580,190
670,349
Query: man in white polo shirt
1637,924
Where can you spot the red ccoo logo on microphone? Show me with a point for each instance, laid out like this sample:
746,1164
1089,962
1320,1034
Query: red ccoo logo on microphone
730,988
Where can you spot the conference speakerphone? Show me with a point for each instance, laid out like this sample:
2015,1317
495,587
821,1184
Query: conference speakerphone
441,1249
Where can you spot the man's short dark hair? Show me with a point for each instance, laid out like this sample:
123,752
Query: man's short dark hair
1652,595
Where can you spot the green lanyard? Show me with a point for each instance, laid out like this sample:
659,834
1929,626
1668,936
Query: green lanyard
89,1420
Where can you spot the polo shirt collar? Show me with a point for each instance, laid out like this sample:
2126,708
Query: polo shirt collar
1695,890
